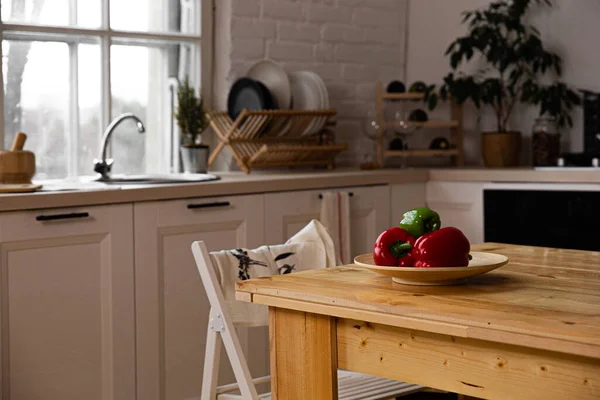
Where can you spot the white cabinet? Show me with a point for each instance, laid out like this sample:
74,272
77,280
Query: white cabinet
172,308
286,213
67,304
405,197
370,215
460,204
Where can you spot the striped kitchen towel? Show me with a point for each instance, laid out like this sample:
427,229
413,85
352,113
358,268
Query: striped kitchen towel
335,216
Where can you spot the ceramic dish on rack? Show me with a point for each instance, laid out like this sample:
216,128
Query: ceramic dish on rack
306,95
247,93
324,103
274,77
480,264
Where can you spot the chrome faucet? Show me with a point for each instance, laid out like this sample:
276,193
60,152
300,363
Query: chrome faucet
104,165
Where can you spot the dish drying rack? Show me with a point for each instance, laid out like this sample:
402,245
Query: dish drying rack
276,138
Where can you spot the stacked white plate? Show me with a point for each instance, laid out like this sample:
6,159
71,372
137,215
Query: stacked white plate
309,93
301,90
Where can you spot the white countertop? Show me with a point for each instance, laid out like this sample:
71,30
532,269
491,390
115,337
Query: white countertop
231,183
237,183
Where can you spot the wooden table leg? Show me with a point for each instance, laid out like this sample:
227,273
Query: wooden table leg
303,355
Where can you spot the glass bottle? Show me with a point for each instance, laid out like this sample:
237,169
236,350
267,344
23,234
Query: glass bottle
545,142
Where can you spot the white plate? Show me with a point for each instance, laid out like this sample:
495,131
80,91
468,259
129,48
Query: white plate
480,264
320,123
306,95
274,77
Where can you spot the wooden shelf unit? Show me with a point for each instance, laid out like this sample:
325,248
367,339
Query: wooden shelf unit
427,124
402,96
266,139
420,153
455,124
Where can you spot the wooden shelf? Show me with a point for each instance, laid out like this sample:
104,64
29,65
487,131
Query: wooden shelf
454,124
420,153
428,124
403,96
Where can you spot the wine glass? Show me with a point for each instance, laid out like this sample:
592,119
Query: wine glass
372,130
403,129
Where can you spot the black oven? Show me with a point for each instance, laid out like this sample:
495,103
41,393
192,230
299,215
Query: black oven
549,218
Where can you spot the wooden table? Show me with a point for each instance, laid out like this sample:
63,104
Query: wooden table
529,330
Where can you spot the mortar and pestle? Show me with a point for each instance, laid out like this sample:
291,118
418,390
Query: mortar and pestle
17,167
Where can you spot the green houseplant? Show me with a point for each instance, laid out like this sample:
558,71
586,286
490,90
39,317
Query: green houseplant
192,121
517,68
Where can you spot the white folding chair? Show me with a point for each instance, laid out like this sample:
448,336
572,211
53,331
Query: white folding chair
352,386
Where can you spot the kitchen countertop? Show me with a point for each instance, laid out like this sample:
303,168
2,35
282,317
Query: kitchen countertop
231,183
517,175
238,183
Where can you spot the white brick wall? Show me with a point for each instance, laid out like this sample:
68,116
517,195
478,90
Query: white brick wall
351,44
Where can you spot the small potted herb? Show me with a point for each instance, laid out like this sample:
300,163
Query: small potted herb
518,69
192,122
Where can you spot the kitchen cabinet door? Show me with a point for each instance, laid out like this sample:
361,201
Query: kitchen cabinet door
171,305
287,213
370,216
406,197
460,204
67,304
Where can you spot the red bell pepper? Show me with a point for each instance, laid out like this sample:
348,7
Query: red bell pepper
445,248
392,246
406,262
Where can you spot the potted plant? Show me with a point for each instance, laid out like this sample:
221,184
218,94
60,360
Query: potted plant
192,122
517,69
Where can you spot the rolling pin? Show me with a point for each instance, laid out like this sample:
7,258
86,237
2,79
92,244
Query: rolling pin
17,166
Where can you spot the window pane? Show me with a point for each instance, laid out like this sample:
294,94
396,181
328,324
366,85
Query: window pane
156,15
90,124
129,94
140,79
83,13
36,104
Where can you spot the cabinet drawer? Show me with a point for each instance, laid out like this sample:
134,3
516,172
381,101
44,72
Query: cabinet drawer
59,222
204,210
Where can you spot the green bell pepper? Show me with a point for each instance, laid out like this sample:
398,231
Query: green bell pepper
420,221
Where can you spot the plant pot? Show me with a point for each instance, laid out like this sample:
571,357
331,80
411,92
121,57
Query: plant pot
194,159
501,149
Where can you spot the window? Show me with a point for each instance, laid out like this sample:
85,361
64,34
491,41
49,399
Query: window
70,66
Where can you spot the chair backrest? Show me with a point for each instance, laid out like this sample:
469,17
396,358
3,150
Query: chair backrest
220,324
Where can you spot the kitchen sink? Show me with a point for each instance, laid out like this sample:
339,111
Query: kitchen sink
156,179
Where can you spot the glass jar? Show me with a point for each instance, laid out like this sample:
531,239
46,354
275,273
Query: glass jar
545,142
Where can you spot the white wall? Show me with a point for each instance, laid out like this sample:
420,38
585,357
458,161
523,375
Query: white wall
570,28
350,43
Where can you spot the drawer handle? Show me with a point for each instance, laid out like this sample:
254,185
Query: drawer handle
209,205
351,194
57,217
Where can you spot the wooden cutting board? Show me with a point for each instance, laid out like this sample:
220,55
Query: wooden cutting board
19,188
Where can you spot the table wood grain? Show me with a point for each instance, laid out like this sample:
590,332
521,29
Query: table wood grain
527,330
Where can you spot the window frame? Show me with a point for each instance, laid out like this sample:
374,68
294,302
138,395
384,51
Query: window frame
104,35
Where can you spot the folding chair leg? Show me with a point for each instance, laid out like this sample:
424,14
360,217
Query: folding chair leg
223,327
211,365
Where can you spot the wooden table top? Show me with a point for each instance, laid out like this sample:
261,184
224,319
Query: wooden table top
543,298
